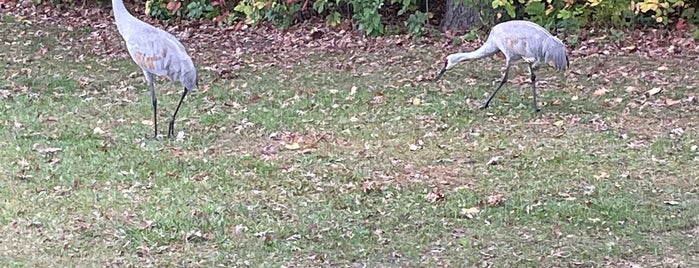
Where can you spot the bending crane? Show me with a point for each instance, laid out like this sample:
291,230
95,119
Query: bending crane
517,39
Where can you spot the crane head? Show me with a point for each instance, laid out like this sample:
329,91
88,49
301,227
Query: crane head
446,67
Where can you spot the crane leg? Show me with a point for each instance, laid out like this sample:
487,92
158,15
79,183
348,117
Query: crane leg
531,70
504,80
154,100
171,128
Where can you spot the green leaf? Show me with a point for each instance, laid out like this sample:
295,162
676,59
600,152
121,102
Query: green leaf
535,8
259,5
320,5
333,19
510,11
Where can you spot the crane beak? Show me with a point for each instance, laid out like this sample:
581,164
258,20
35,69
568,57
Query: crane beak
440,74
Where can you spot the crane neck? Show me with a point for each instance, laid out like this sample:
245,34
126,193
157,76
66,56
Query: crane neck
119,9
476,54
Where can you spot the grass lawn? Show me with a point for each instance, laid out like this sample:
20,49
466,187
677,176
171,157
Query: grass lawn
318,163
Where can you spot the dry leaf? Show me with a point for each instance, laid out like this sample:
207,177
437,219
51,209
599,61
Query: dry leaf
293,146
353,91
98,131
494,160
494,200
435,195
663,68
469,212
631,89
44,149
670,102
180,136
653,91
378,98
417,101
589,189
599,92
602,175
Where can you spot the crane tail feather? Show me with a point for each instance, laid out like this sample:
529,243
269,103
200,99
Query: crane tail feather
555,54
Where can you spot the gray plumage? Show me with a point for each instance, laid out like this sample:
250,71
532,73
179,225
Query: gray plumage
517,39
158,53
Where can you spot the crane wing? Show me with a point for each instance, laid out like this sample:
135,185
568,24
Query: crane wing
159,53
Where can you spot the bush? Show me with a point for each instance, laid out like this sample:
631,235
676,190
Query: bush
571,15
568,15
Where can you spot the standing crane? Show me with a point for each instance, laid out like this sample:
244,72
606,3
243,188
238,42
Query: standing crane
158,53
517,39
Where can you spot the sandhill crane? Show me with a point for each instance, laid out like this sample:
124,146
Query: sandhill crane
157,53
517,39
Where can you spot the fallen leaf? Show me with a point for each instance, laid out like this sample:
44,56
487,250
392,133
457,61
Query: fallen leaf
599,92
54,161
494,160
589,189
458,233
417,101
663,68
44,149
602,175
148,225
435,195
494,200
670,102
180,136
293,146
469,212
594,220
653,91
353,91
98,131
671,203
378,98
23,162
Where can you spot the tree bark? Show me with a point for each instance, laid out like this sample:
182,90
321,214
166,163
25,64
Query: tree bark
461,17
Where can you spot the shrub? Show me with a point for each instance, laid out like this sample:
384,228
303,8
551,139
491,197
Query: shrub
568,16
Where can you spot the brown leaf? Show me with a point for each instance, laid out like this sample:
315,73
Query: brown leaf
599,92
148,224
494,160
378,98
435,195
653,91
45,149
494,200
293,146
602,175
470,212
670,102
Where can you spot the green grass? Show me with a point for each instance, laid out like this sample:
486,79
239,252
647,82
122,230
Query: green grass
590,181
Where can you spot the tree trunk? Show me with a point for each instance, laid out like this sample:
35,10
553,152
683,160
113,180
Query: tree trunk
461,17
